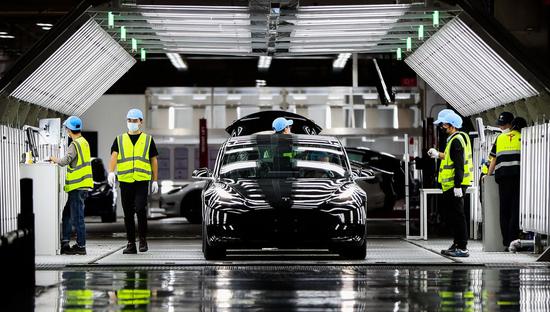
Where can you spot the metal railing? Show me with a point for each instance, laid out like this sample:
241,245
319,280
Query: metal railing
12,146
480,153
535,179
13,143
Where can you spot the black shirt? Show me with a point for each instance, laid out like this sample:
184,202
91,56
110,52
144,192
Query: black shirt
457,156
134,138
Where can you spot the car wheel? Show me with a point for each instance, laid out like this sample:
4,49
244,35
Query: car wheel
210,252
354,253
194,212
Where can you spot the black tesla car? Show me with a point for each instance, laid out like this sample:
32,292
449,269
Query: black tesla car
283,191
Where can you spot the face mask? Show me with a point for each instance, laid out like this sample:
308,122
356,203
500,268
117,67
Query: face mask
133,126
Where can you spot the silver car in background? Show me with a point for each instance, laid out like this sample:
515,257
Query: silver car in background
183,201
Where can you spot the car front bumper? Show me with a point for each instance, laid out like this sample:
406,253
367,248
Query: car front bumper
287,228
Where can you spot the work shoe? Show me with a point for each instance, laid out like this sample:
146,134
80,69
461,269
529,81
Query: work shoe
458,253
65,249
130,248
143,245
76,250
450,249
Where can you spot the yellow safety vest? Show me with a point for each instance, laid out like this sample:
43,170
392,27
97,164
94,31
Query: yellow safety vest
133,162
80,177
133,296
468,156
508,154
447,170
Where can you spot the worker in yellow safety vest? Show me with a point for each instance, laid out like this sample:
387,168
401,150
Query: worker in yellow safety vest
78,182
505,165
134,155
455,175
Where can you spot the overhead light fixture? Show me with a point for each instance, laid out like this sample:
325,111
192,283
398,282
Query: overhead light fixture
266,97
370,96
299,96
77,73
399,54
171,117
134,45
143,55
165,97
7,36
110,20
46,28
260,83
233,97
200,96
341,60
335,97
409,44
177,61
421,32
3,33
435,19
44,24
466,71
123,33
264,62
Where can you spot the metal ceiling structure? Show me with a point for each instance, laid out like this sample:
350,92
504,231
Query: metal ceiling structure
259,29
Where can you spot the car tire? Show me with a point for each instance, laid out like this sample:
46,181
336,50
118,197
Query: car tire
194,213
356,252
210,252
109,217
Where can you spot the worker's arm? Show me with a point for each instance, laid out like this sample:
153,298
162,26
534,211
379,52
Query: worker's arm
493,163
457,156
112,162
155,168
441,155
492,166
71,155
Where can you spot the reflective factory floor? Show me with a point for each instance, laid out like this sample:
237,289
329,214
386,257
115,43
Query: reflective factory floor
295,288
397,275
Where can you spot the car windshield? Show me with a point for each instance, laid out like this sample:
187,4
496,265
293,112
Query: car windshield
283,160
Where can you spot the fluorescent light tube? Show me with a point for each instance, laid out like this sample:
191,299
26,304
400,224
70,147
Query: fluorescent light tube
264,62
176,60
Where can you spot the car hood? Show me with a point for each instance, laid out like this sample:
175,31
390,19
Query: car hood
284,193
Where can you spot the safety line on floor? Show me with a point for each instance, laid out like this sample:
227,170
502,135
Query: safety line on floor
106,255
433,251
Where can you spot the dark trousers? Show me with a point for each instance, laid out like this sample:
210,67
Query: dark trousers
134,201
508,190
73,216
453,212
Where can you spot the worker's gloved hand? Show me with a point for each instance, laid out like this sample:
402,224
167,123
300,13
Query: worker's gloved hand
458,192
154,187
111,179
433,153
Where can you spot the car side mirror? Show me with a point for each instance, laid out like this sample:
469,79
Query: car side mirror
362,175
202,174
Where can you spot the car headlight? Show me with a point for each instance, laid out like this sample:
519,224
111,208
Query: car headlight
223,193
347,193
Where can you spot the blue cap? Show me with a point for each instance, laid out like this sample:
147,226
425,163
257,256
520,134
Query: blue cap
450,118
279,124
134,113
73,123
